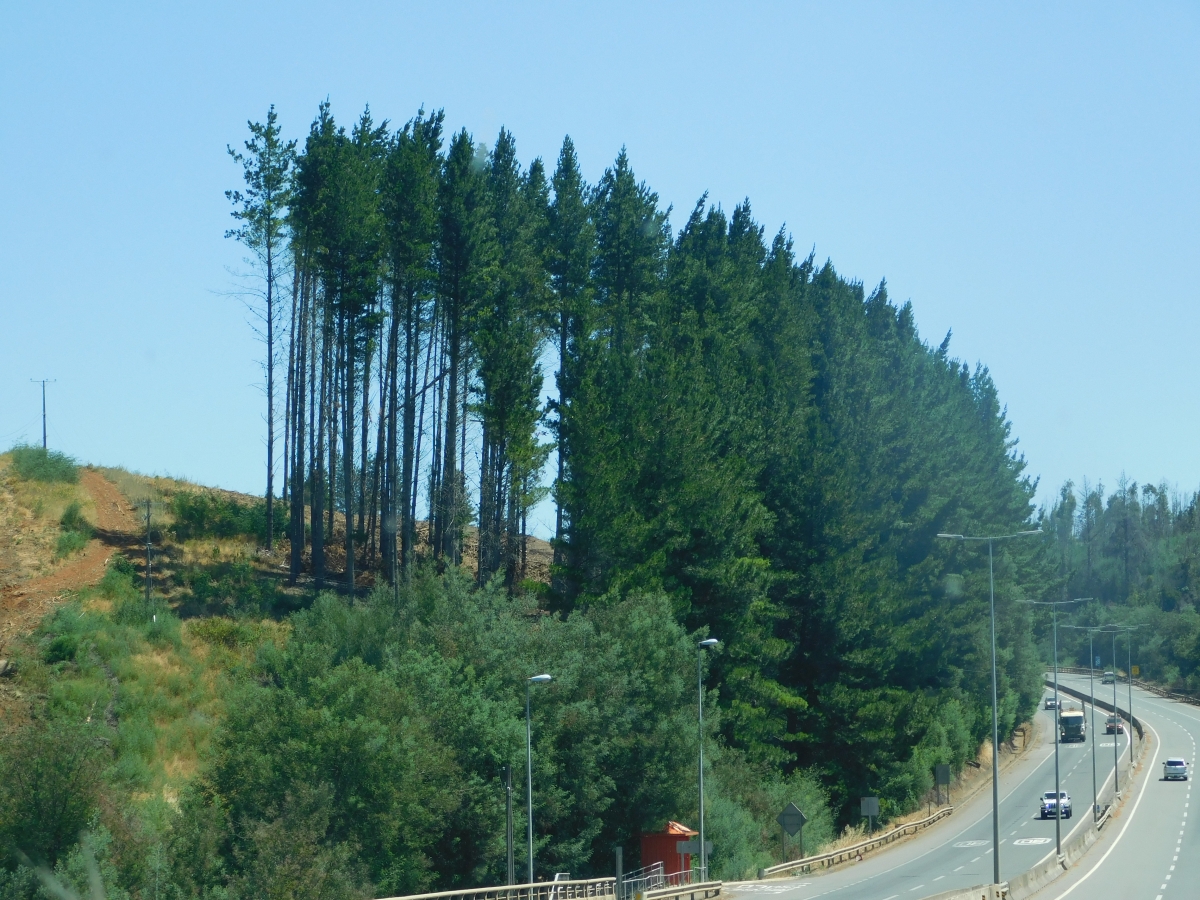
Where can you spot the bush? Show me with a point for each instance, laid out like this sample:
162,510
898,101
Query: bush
202,514
73,520
36,464
70,542
49,786
233,587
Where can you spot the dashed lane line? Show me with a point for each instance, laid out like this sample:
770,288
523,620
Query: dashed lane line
1125,827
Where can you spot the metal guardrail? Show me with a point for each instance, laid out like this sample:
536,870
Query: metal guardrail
700,891
1144,685
836,856
541,890
1100,703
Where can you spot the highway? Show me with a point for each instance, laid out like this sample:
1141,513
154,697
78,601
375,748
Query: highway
1152,850
957,852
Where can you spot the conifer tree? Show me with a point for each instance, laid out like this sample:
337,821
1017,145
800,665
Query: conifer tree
262,209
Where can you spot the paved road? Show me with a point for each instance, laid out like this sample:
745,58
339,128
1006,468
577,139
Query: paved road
957,853
1152,850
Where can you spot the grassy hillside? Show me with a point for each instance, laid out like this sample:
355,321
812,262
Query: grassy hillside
190,733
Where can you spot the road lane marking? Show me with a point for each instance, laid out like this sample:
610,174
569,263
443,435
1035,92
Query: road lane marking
1128,819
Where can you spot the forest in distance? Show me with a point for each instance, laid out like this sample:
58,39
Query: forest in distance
740,442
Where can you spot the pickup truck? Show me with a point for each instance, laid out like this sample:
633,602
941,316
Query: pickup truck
1175,767
1049,801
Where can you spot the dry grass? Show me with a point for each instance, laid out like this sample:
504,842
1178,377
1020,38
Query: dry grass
29,523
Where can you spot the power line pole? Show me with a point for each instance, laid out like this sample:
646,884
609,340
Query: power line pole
43,382
147,553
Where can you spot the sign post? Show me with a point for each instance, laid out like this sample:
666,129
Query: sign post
870,809
942,773
791,821
1137,670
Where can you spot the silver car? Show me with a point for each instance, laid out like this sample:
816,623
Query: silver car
1175,767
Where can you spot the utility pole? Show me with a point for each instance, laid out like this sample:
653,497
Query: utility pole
43,382
147,553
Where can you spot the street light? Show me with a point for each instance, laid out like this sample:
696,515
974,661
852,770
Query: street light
705,644
1054,605
1092,693
535,679
1128,629
995,691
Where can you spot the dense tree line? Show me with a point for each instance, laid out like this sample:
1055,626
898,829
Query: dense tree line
751,434
1135,551
748,445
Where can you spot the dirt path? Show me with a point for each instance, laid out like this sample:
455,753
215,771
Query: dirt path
23,606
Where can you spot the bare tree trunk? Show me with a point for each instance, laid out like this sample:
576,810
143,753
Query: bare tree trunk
319,459
346,337
270,535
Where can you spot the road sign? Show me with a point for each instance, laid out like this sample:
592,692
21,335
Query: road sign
1097,662
943,774
1137,670
791,819
692,847
870,806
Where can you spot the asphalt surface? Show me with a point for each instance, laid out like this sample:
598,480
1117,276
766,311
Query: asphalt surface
957,852
1151,851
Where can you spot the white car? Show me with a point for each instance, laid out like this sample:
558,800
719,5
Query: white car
1175,767
1049,802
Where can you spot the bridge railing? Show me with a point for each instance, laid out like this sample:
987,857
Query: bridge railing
542,890
699,890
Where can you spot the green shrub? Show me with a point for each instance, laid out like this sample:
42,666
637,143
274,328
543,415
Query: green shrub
203,514
73,520
221,632
233,587
121,565
36,464
50,780
61,649
70,542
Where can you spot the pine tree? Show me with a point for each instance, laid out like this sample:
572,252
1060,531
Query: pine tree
262,211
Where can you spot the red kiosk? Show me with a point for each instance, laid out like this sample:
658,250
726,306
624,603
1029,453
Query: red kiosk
661,848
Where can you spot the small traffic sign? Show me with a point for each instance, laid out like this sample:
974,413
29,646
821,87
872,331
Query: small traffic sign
870,806
1137,670
791,819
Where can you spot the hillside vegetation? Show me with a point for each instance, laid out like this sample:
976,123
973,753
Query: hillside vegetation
323,692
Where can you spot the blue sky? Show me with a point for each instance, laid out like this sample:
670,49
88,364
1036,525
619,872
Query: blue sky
1027,177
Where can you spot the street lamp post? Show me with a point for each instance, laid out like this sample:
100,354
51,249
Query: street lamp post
1092,694
995,692
1116,722
1129,677
535,679
700,648
1054,605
